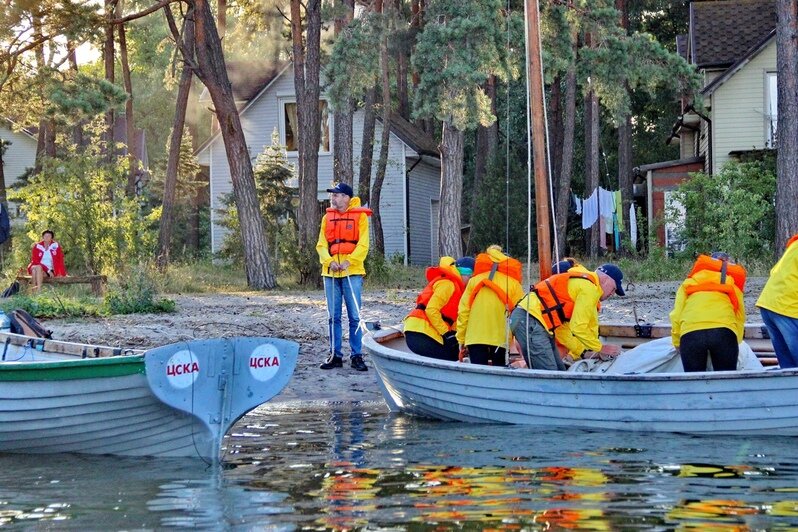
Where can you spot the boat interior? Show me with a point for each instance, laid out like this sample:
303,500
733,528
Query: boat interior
18,349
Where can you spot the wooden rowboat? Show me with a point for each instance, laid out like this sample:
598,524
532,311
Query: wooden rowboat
764,401
175,400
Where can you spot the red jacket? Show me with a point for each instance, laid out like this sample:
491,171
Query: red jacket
37,252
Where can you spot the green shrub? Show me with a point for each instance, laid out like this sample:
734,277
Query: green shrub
49,304
732,211
134,292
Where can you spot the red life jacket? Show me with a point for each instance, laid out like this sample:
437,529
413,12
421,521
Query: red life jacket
343,229
556,304
449,311
509,267
725,268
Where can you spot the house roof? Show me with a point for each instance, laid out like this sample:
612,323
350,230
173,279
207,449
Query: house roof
739,64
23,130
248,78
724,30
412,135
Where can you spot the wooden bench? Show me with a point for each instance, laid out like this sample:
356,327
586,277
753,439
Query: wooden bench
97,282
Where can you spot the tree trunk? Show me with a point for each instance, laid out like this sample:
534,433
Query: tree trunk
175,142
625,179
382,162
130,132
108,62
566,160
77,129
221,20
307,58
449,240
787,157
367,146
555,126
213,73
487,139
342,118
592,163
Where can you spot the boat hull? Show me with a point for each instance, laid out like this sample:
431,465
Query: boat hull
173,401
698,403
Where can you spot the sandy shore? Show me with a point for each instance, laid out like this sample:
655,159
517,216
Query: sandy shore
301,316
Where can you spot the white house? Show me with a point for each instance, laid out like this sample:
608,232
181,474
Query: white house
411,190
732,45
20,155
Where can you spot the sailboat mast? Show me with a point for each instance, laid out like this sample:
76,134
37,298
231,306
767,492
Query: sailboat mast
538,135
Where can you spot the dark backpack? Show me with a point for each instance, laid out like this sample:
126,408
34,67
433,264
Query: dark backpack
11,290
25,324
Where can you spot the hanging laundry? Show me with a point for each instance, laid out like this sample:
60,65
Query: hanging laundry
602,231
633,225
606,208
619,207
590,210
577,203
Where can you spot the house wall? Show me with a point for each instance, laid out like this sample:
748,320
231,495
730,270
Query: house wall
739,108
20,156
424,187
661,181
262,117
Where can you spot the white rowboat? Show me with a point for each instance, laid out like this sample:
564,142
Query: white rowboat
176,400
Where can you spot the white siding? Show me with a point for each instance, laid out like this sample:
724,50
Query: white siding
425,185
739,108
20,156
262,117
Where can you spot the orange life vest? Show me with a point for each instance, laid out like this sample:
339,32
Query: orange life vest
790,241
509,267
725,268
556,304
449,311
343,229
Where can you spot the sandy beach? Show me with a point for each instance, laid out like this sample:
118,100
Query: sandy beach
302,316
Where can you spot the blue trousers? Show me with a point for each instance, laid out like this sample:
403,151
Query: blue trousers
783,332
344,290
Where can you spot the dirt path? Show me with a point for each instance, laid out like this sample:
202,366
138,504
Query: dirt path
302,316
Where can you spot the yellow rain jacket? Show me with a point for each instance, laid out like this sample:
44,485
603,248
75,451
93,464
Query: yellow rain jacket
357,257
581,332
706,310
485,320
780,294
443,290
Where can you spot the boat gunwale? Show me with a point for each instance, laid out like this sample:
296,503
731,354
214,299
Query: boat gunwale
378,350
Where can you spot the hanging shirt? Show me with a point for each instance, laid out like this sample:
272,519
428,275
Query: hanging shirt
607,208
590,210
633,225
577,203
619,207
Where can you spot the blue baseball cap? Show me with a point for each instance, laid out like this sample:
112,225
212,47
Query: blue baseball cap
342,188
465,265
616,274
561,267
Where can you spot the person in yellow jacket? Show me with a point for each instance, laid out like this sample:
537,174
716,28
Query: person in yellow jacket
430,327
488,299
778,305
342,247
565,306
708,317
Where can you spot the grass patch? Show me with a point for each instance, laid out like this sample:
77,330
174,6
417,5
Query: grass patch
201,276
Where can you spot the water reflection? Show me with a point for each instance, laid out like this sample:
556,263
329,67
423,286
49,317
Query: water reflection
353,466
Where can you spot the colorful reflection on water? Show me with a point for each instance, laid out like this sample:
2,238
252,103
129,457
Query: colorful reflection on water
354,466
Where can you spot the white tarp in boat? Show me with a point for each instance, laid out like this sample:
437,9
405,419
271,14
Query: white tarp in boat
658,356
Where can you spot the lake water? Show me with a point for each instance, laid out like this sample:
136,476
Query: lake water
355,466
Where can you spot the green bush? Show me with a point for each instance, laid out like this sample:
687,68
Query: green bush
134,292
732,211
49,304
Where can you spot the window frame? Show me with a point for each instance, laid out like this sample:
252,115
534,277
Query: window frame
771,109
281,110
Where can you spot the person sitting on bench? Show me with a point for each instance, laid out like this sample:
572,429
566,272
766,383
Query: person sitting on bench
46,258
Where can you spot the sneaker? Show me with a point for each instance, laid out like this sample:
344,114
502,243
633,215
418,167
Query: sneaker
358,364
332,362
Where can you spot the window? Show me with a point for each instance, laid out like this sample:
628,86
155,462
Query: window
772,109
291,128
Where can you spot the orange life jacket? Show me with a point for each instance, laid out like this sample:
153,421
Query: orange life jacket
343,229
725,268
556,304
509,267
790,241
449,311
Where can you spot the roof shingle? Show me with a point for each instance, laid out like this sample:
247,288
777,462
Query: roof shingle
722,31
